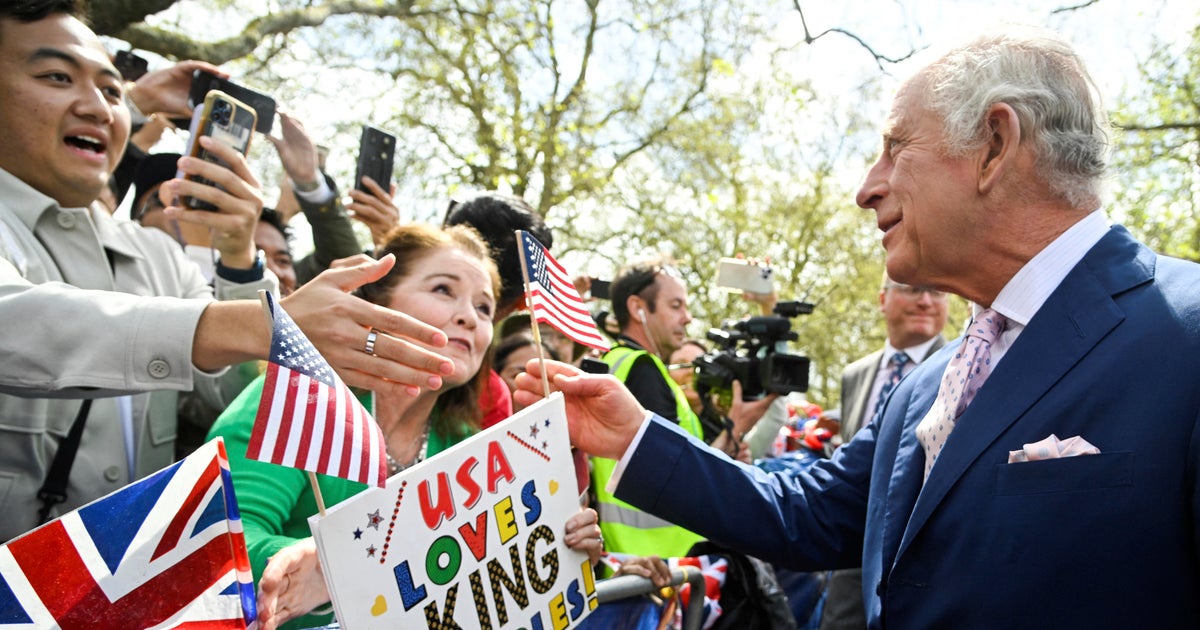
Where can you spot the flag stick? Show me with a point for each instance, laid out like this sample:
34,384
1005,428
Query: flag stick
312,477
537,334
312,480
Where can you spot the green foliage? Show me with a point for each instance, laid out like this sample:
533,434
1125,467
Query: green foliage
636,126
1157,157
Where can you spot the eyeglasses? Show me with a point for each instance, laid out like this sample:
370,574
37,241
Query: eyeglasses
152,203
915,292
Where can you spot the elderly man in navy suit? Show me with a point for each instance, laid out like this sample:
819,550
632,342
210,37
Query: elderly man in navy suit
1042,472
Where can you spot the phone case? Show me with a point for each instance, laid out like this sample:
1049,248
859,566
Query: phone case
226,120
742,275
204,82
376,150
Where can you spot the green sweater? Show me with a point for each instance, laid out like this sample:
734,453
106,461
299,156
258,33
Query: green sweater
276,501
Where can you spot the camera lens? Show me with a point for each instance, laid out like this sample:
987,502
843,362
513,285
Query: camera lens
221,113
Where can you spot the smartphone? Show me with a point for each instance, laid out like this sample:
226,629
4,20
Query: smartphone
204,82
376,152
130,65
601,289
737,274
226,120
593,366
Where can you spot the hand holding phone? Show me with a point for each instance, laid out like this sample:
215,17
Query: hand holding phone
376,152
739,275
225,120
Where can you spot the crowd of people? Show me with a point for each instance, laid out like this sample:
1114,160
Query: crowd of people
942,502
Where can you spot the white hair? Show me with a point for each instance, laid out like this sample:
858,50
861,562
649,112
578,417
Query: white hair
1046,83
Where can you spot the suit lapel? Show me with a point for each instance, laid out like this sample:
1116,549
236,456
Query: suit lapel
907,466
861,385
1076,317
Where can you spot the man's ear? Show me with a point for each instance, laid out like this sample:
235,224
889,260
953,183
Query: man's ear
633,304
1004,139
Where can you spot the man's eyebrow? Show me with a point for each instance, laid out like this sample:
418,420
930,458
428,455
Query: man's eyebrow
54,53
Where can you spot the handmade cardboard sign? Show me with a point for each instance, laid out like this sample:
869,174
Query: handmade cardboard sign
471,538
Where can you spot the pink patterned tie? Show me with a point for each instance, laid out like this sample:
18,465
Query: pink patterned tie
963,377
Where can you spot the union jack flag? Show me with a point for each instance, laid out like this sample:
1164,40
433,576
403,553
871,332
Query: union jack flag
308,418
552,295
714,569
164,552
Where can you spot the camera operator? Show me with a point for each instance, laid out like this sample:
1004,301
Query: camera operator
650,304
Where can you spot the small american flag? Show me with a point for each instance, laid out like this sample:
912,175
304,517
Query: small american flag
164,552
552,295
308,418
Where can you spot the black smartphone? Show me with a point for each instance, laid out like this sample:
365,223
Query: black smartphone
376,151
593,366
600,289
130,65
264,106
226,120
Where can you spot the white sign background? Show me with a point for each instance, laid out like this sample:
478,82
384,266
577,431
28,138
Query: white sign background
470,538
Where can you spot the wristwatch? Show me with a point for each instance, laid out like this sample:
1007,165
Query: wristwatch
242,276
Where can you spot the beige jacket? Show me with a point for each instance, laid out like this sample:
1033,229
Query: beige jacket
90,308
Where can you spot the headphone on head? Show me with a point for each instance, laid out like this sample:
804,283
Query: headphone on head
642,315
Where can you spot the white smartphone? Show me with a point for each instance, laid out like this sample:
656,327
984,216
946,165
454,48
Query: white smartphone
737,275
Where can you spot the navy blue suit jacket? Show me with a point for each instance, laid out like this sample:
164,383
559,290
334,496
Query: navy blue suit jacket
1095,541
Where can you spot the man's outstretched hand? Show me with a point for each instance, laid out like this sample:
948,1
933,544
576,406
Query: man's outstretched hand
603,416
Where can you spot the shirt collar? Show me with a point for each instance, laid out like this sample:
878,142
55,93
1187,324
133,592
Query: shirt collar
916,353
29,204
1025,293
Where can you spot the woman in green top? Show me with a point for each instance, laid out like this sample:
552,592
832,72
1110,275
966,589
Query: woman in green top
445,278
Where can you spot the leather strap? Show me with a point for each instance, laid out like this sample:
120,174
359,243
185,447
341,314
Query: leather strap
54,489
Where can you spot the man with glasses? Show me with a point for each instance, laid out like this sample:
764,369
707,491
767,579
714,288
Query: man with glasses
914,317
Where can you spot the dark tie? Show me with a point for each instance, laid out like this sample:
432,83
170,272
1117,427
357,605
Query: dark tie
963,377
898,361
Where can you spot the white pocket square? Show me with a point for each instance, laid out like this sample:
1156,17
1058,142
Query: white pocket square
1052,448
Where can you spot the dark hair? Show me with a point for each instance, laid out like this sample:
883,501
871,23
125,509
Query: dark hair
638,279
271,217
410,243
514,342
513,324
692,341
151,171
34,10
496,216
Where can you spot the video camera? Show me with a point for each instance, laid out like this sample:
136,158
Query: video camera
748,350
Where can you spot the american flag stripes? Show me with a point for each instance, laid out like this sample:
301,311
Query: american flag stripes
552,295
164,552
308,418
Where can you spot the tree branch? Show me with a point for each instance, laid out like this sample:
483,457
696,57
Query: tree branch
1170,126
176,46
879,58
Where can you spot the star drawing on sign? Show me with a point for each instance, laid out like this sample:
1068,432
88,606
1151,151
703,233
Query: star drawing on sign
357,534
371,551
374,519
533,430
